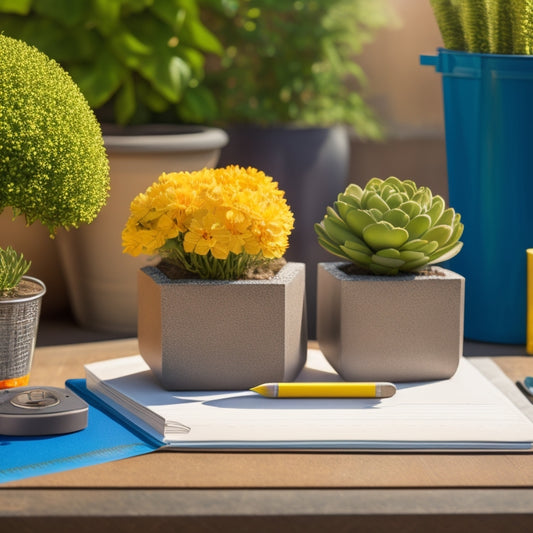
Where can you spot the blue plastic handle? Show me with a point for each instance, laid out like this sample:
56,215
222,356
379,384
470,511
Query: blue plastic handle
429,60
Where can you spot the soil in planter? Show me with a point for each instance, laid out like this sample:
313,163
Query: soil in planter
353,270
266,271
24,289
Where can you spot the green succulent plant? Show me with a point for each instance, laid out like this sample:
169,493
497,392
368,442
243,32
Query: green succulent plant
390,226
12,267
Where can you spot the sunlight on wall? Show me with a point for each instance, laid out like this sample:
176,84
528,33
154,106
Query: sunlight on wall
406,96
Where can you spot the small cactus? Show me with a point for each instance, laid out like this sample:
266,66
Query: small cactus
12,267
390,226
486,26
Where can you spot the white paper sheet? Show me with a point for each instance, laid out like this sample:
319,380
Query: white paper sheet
464,412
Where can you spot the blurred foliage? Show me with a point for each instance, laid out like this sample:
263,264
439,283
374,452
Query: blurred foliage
132,59
293,61
219,62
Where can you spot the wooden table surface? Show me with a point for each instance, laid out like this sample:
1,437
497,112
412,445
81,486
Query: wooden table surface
280,491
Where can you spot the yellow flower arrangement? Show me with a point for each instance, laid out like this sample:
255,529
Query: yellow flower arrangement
215,223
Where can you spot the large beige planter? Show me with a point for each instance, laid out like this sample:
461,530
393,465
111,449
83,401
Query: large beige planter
219,335
404,328
101,280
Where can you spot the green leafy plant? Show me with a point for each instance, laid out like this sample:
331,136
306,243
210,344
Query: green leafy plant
136,61
486,26
54,165
390,226
12,267
294,61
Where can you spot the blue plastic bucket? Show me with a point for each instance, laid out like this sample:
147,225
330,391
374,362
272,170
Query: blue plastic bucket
488,114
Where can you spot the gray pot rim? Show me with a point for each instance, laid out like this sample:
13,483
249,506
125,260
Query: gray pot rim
285,275
40,294
333,268
179,139
278,128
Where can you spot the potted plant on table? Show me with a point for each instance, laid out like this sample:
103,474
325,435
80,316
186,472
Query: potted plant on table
291,91
54,170
140,64
487,81
222,310
20,306
386,314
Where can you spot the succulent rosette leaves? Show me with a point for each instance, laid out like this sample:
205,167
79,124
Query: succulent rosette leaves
390,226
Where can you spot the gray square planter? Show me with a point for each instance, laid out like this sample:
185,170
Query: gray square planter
403,328
220,335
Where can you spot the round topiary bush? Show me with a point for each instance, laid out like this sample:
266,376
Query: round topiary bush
53,164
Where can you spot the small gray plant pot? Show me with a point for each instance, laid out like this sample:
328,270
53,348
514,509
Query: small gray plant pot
19,322
222,335
381,328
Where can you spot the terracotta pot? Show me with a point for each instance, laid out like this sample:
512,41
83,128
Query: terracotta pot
390,328
219,335
101,280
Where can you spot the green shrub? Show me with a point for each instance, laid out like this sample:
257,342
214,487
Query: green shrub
210,61
294,61
54,165
136,61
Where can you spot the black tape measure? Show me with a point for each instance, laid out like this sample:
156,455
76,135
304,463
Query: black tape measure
30,411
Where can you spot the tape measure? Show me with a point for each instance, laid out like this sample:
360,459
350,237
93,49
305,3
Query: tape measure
30,411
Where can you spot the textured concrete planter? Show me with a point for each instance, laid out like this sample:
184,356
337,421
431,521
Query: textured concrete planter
404,328
217,335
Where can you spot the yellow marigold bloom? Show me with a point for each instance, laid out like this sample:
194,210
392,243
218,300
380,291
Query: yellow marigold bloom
218,214
207,235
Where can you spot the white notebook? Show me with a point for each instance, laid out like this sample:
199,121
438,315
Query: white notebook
466,412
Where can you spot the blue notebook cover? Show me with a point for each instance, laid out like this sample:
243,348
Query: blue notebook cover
107,437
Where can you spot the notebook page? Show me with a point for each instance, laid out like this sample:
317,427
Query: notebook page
466,411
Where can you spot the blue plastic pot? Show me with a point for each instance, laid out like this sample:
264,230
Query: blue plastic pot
488,113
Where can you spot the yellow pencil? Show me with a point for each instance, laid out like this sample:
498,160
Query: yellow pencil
326,390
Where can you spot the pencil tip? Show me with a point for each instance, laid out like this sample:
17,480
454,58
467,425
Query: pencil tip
263,390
